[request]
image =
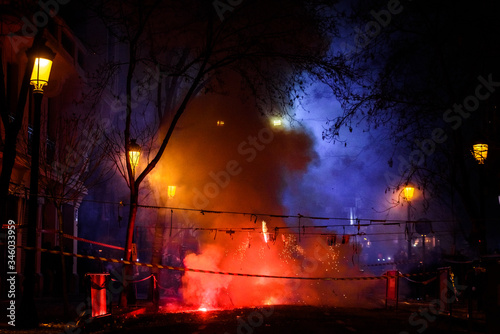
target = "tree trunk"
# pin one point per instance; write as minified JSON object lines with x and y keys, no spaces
{"x":157,"y":255}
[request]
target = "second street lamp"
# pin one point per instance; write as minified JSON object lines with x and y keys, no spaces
{"x":134,"y":154}
{"x":480,"y":152}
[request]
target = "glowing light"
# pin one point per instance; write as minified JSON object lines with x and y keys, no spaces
{"x":134,"y":153}
{"x":277,"y":122}
{"x":264,"y":231}
{"x":171,"y":191}
{"x":41,"y":69}
{"x":220,"y":123}
{"x":480,"y":152}
{"x":408,"y":193}
{"x":203,"y":309}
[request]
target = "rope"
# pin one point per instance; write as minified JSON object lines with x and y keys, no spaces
{"x":185,"y":269}
{"x":424,"y":282}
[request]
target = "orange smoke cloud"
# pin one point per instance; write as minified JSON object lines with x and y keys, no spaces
{"x":243,"y":166}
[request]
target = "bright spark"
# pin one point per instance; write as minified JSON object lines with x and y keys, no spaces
{"x":264,"y":231}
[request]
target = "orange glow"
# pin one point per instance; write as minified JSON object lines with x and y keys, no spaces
{"x":480,"y":152}
{"x":171,"y":191}
{"x":408,"y":193}
{"x":264,"y":231}
{"x":220,"y":123}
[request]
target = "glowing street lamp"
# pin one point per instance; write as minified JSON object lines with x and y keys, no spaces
{"x":408,"y":192}
{"x":134,"y":152}
{"x":480,"y":152}
{"x":42,"y":66}
{"x":171,"y":191}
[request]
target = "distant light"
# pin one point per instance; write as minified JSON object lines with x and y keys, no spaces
{"x":171,"y":191}
{"x":277,"y":122}
{"x":389,"y":258}
{"x":202,"y":309}
{"x":408,"y":193}
{"x":480,"y":152}
{"x":220,"y":123}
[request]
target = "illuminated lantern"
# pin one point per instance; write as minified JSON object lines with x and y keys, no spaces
{"x":134,"y":153}
{"x":41,"y":69}
{"x":480,"y":152}
{"x":171,"y":191}
{"x":408,"y":193}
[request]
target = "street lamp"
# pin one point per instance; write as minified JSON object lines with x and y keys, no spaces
{"x":42,"y":57}
{"x":408,"y":192}
{"x":134,"y":152}
{"x":480,"y":152}
{"x":171,"y":191}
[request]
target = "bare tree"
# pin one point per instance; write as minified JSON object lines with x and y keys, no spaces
{"x":419,"y":64}
{"x":178,"y":50}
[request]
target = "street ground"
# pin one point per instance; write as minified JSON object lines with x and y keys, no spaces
{"x":409,"y":317}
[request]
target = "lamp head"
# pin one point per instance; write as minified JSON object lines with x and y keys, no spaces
{"x":171,"y":191}
{"x":43,"y":56}
{"x":480,"y":152}
{"x":134,"y":153}
{"x":408,"y":192}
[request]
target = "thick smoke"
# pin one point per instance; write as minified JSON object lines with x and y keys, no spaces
{"x":245,"y":166}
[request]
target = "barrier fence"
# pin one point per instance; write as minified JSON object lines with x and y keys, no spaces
{"x":186,"y":269}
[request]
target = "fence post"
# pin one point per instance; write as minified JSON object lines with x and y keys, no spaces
{"x":392,"y":288}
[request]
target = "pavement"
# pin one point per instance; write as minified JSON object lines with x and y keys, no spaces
{"x":409,"y":317}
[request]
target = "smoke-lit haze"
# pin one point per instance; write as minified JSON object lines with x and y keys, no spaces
{"x":248,"y":165}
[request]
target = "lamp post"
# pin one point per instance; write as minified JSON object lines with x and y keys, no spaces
{"x":408,"y":192}
{"x":480,"y":153}
{"x":171,"y":194}
{"x":42,"y":57}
